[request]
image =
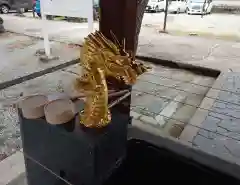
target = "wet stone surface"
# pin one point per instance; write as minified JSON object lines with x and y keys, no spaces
{"x":160,"y":99}
{"x":167,"y":98}
{"x":220,"y":133}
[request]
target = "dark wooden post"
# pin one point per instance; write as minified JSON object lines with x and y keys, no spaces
{"x":119,"y":16}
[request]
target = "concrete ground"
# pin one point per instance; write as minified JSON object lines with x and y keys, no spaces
{"x":18,"y":55}
{"x":214,"y":25}
{"x":209,"y":25}
{"x":213,"y":53}
{"x":58,"y":30}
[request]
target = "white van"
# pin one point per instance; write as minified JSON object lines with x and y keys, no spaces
{"x":155,"y":5}
{"x":177,"y":6}
{"x":199,"y":6}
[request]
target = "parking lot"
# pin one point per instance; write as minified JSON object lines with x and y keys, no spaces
{"x":220,"y":25}
{"x":214,"y":24}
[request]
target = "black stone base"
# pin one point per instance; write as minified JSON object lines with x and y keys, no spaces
{"x":81,"y":156}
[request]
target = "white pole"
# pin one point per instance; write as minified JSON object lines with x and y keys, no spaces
{"x":44,"y":30}
{"x":90,"y":18}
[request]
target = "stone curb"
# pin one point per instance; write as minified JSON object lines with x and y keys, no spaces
{"x":180,"y":65}
{"x":37,"y":74}
{"x":11,"y":167}
{"x":195,"y":123}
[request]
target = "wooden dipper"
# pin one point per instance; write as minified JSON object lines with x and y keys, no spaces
{"x":33,"y":106}
{"x":59,"y":111}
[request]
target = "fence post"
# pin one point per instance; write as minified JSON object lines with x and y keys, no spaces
{"x":165,"y":16}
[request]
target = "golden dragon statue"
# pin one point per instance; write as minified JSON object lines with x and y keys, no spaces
{"x":102,"y":59}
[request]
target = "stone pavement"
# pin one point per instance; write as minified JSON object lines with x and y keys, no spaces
{"x":167,"y":98}
{"x":164,"y":100}
{"x":215,"y":127}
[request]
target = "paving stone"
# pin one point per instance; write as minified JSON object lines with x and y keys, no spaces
{"x":198,"y":118}
{"x":193,"y":88}
{"x":143,"y":111}
{"x":211,"y":123}
{"x":229,"y":97}
{"x":207,"y":103}
{"x":207,"y":134}
{"x":219,"y":115}
{"x":170,"y":94}
{"x":147,"y":127}
{"x":228,"y":133}
{"x":184,"y":113}
{"x":206,"y":81}
{"x":172,"y":106}
{"x":158,"y":80}
{"x":185,"y":76}
{"x":221,"y":130}
{"x":148,"y":87}
{"x":227,"y":109}
{"x":231,"y":125}
{"x":210,"y":146}
{"x":172,"y":73}
{"x":233,"y":147}
{"x":148,"y":119}
{"x":149,"y":103}
{"x":213,"y":93}
{"x":189,"y":133}
{"x":232,"y":82}
{"x":194,"y":99}
{"x":169,"y":110}
{"x":161,"y":120}
{"x":134,"y":114}
{"x":174,"y":128}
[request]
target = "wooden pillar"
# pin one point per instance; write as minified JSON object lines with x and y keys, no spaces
{"x":120,"y":17}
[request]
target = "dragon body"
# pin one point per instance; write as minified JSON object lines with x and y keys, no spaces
{"x":101,"y":59}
